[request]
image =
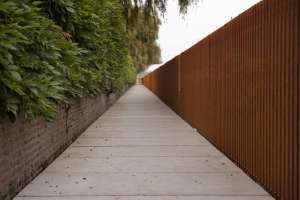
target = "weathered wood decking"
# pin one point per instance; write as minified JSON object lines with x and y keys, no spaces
{"x":140,"y":149}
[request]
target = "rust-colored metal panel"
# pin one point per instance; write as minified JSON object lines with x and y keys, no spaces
{"x":164,"y":83}
{"x":296,"y":111}
{"x":239,"y":87}
{"x":272,"y":59}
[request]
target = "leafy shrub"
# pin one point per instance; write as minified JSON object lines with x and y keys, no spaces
{"x":37,"y":65}
{"x":142,"y":36}
{"x":98,"y":28}
{"x":130,"y":71}
{"x":40,"y":63}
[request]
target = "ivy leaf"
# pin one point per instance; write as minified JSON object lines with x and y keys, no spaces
{"x":13,"y":67}
{"x":70,"y":9}
{"x":36,"y":3}
{"x":9,"y":46}
{"x":83,"y":51}
{"x":54,"y":83}
{"x":10,"y":3}
{"x":13,"y":108}
{"x":16,"y":75}
{"x":34,"y":90}
{"x":18,"y":90}
{"x":12,"y":100}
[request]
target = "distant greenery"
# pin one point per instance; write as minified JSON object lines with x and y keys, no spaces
{"x":151,"y":8}
{"x":142,"y":37}
{"x":142,"y":23}
{"x":54,"y":50}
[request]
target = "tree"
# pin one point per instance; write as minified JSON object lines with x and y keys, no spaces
{"x":142,"y":45}
{"x":142,"y":27}
{"x":151,"y":7}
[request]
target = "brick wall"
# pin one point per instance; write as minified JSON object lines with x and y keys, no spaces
{"x":28,"y":147}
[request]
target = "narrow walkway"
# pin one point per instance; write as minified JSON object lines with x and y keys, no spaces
{"x":140,"y":149}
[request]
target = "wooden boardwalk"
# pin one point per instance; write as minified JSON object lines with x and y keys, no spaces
{"x":140,"y":149}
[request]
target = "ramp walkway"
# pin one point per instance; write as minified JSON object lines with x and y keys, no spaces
{"x":140,"y":149}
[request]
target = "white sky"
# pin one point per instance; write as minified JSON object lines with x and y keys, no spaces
{"x":177,"y":34}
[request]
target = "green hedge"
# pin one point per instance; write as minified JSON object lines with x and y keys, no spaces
{"x":54,"y":50}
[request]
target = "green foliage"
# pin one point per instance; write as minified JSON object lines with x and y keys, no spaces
{"x":150,"y":8}
{"x":37,"y":66}
{"x":98,"y":28}
{"x":42,"y":64}
{"x":142,"y":24}
{"x":130,"y":71}
{"x":142,"y":37}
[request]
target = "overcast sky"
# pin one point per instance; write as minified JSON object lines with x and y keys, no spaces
{"x":177,"y":34}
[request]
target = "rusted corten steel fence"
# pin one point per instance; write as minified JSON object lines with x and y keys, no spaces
{"x":166,"y":86}
{"x":240,"y":88}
